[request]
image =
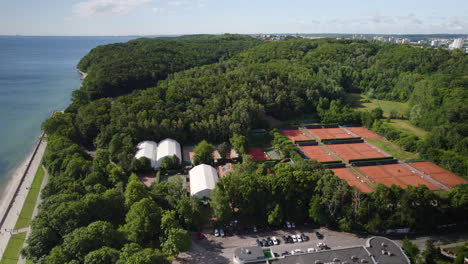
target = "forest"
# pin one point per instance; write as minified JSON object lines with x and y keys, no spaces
{"x":214,"y":88}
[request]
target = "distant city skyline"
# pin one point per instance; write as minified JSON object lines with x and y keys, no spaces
{"x":161,"y":17}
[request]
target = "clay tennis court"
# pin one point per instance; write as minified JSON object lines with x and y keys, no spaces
{"x":364,"y":132}
{"x":394,"y":174}
{"x":353,"y":180}
{"x":317,"y":153}
{"x":356,"y":151}
{"x":258,"y":154}
{"x":329,"y":133}
{"x":294,"y":134}
{"x":439,"y":174}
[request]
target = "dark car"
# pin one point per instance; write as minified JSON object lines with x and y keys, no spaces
{"x":270,"y":241}
{"x":285,"y":253}
{"x":264,"y":243}
{"x":290,"y":240}
{"x":258,"y":243}
{"x":286,"y":240}
{"x":318,"y":235}
{"x":304,"y":237}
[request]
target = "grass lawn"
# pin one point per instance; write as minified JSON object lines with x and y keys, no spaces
{"x":393,"y":149}
{"x":407,"y":127}
{"x":13,"y":249}
{"x":362,"y":102}
{"x":24,"y":219}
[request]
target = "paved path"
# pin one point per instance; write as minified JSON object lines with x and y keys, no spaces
{"x":36,"y":210}
{"x":11,"y":215}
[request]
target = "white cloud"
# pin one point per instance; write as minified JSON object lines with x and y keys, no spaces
{"x":178,"y":3}
{"x":91,"y":8}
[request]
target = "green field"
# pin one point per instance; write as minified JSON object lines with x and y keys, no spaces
{"x":13,"y":249}
{"x":361,"y":102}
{"x":407,"y":127}
{"x":393,"y":149}
{"x":24,"y":219}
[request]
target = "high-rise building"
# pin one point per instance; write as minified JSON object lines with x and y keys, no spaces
{"x":456,"y":44}
{"x":435,"y":43}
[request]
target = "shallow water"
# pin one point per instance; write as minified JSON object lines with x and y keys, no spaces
{"x":37,"y":76}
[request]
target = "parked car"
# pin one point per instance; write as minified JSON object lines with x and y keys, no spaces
{"x":296,"y":251}
{"x":255,"y":229}
{"x":294,"y":238}
{"x":322,"y":245}
{"x":309,"y":250}
{"x":318,"y":235}
{"x":299,"y":238}
{"x":270,"y":241}
{"x":259,"y":244}
{"x":288,"y":225}
{"x":286,"y":240}
{"x":293,"y":225}
{"x":221,"y":232}
{"x":304,"y":237}
{"x":285,"y":253}
{"x":216,"y":233}
{"x":264,"y":243}
{"x":275,"y":241}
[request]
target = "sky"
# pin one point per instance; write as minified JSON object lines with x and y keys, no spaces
{"x":159,"y":17}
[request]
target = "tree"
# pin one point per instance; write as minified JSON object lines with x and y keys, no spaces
{"x":143,"y":256}
{"x":170,"y":163}
{"x":411,"y":249}
{"x":430,"y":254}
{"x":104,"y":255}
{"x":134,"y":192}
{"x":60,"y":124}
{"x":239,"y":143}
{"x":143,"y":221}
{"x":203,"y":153}
{"x":275,"y":216}
{"x":178,"y":240}
{"x":168,"y":222}
{"x":224,"y":150}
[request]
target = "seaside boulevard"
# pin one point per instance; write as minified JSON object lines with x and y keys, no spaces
{"x":17,"y":199}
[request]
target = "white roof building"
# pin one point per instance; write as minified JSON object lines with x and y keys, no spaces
{"x":148,"y":149}
{"x":168,"y":147}
{"x":203,"y":179}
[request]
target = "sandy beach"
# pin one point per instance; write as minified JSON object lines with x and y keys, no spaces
{"x":17,"y":182}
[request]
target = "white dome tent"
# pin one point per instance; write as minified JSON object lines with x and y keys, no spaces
{"x":203,"y":179}
{"x":167,"y":148}
{"x":148,"y":149}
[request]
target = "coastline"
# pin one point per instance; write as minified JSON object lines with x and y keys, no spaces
{"x":17,"y":188}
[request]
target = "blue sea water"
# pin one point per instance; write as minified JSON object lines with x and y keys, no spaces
{"x":37,"y":76}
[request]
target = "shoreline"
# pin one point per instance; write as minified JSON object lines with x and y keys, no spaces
{"x":14,"y":180}
{"x":16,"y":190}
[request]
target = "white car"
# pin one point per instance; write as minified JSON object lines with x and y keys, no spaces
{"x":299,"y":238}
{"x":216,"y":233}
{"x":294,"y":238}
{"x":288,"y":225}
{"x":310,"y":250}
{"x":255,"y":229}
{"x":221,"y":232}
{"x":296,"y":251}
{"x":275,"y":241}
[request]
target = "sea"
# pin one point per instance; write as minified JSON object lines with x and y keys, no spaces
{"x":37,"y":76}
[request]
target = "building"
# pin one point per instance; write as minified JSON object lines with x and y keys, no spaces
{"x":148,"y":149}
{"x":377,"y":250}
{"x":167,"y":148}
{"x":203,"y":179}
{"x":456,"y":44}
{"x":435,"y":43}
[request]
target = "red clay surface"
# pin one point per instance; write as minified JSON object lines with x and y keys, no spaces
{"x":317,"y":153}
{"x":352,"y":180}
{"x":328,"y":133}
{"x":294,"y":134}
{"x":394,"y":174}
{"x":356,"y":151}
{"x":364,"y":132}
{"x":439,"y":174}
{"x":257,"y":154}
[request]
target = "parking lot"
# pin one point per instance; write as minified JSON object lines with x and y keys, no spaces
{"x":220,"y":250}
